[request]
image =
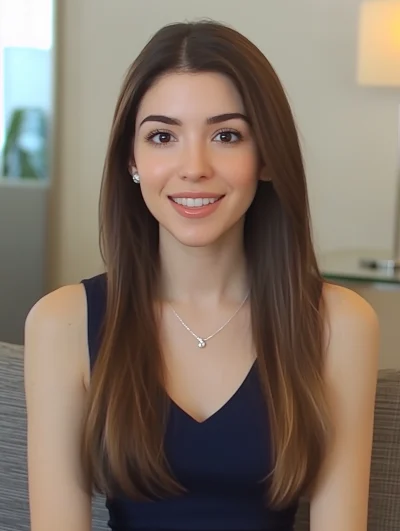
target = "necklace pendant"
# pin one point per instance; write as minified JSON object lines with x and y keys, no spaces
{"x":201,"y":343}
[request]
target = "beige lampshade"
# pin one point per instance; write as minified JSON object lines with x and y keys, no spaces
{"x":379,"y":43}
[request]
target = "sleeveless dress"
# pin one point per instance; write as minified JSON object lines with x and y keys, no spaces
{"x":221,"y":462}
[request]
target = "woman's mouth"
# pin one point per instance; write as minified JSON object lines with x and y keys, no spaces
{"x":195,"y":207}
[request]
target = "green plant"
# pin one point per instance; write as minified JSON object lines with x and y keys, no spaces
{"x":22,"y":158}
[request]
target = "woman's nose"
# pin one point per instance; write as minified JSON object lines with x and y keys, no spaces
{"x":196,"y":163}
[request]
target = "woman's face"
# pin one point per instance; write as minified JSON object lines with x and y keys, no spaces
{"x":196,"y":157}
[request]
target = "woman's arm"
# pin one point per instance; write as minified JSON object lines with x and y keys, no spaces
{"x":340,"y":499}
{"x":55,"y":357}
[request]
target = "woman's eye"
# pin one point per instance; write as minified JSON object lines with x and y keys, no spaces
{"x":228,"y":137}
{"x":162,"y":138}
{"x":159,"y":138}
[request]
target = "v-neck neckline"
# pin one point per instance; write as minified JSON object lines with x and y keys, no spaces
{"x":221,"y":409}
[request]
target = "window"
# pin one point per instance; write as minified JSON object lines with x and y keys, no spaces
{"x":23,"y":24}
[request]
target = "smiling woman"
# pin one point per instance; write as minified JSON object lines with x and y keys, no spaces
{"x":209,"y":377}
{"x":199,"y":160}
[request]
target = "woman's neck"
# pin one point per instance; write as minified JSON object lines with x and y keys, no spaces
{"x":203,"y":275}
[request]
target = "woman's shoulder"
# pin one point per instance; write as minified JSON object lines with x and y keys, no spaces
{"x":66,"y":320}
{"x":56,"y":330}
{"x":66,"y":307}
{"x":345,"y":307}
{"x":62,"y":308}
{"x":352,"y":327}
{"x":56,"y":372}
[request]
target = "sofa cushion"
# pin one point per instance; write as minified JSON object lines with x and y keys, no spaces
{"x":384,"y":508}
{"x":14,"y":508}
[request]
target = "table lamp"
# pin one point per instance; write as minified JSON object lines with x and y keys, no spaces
{"x":379,"y":65}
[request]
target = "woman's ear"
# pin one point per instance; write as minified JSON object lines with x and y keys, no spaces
{"x":264,"y":176}
{"x":132,"y":166}
{"x":132,"y":163}
{"x":132,"y":169}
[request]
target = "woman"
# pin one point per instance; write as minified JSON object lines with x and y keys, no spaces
{"x":210,"y":377}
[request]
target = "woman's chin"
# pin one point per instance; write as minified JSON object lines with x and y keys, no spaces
{"x":199,"y":241}
{"x":205,"y":237}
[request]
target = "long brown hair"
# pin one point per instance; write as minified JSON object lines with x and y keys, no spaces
{"x":127,"y":405}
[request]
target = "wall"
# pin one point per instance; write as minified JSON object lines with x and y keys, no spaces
{"x":25,"y":80}
{"x":23,"y":213}
{"x":348,"y":132}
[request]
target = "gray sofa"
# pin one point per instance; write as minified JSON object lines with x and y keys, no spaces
{"x":384,"y":509}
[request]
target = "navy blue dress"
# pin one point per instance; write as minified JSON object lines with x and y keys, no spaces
{"x":220,"y":462}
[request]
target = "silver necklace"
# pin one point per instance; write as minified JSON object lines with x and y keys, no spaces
{"x":202,"y":341}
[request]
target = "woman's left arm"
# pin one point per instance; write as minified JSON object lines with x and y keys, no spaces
{"x":340,"y":497}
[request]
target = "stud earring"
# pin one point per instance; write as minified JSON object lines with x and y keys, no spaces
{"x":135,"y":176}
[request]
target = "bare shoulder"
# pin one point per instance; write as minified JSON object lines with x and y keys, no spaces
{"x":57,"y":325}
{"x":340,"y":497}
{"x":64,"y":306}
{"x":342,"y":303}
{"x":56,"y":362}
{"x":352,"y":327}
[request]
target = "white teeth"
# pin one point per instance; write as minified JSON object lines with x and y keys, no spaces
{"x":194,"y":203}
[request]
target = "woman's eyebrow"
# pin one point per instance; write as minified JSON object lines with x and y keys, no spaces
{"x":210,"y":121}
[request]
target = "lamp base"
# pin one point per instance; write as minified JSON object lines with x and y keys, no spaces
{"x":373,"y":263}
{"x":390,"y":264}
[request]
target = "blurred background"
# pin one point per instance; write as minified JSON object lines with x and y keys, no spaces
{"x":27,"y":83}
{"x":62,"y":64}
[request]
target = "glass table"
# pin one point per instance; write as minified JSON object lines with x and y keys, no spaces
{"x":345,"y":267}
